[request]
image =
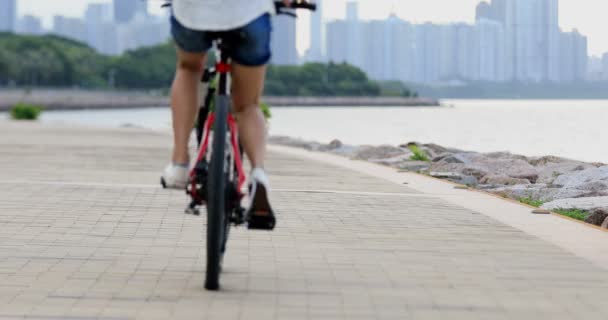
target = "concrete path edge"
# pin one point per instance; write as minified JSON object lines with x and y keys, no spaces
{"x":579,"y":239}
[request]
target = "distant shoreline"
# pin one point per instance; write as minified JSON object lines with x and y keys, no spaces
{"x":74,"y":99}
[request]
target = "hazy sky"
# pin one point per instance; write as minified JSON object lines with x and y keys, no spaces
{"x":588,"y":16}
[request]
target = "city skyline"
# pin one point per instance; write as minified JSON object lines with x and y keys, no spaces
{"x":584,"y":15}
{"x":511,"y":40}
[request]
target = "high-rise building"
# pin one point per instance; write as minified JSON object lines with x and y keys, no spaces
{"x":399,"y":43}
{"x":336,"y":41}
{"x":30,"y":25}
{"x":284,"y":50}
{"x":142,"y":8}
{"x":98,"y":13}
{"x":490,"y":43}
{"x":550,"y":34}
{"x":467,"y":52}
{"x":97,"y":16}
{"x":581,"y":55}
{"x":531,"y":29}
{"x":567,"y":57}
{"x":71,"y":28}
{"x":427,"y":53}
{"x":8,"y":15}
{"x":381,"y":48}
{"x":459,"y":52}
{"x":352,"y":11}
{"x":605,"y":66}
{"x":316,"y":52}
{"x":344,"y":41}
{"x":376,"y":55}
{"x":574,"y":56}
{"x":126,"y":10}
{"x":483,"y":11}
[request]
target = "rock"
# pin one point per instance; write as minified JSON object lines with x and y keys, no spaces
{"x":605,"y":224}
{"x":430,"y":153}
{"x":380,"y":152}
{"x":413,"y":166}
{"x":476,"y":172}
{"x":293,"y":142}
{"x":446,"y":175}
{"x":541,"y":161}
{"x":549,"y":168}
{"x":409,"y":144}
{"x":335,"y":144}
{"x":505,"y":155}
{"x":468,"y":181}
{"x":593,"y":194}
{"x":440,"y":149}
{"x":502,"y":179}
{"x":392,"y":161}
{"x":597,"y":217}
{"x":594,"y":179}
{"x":479,"y":165}
{"x":533,"y":191}
{"x":544,"y":192}
{"x":448,"y":158}
{"x":345,"y":151}
{"x":437,"y":149}
{"x":589,"y":204}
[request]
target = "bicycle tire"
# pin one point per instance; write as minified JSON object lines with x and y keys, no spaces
{"x":216,"y":203}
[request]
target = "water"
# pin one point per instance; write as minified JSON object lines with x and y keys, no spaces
{"x":570,"y":128}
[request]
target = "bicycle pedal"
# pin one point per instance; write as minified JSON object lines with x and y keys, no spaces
{"x":266,"y":223}
{"x":193,"y":211}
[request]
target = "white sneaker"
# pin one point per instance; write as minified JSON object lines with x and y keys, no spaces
{"x":258,"y":176}
{"x":260,"y":214}
{"x":175,"y":177}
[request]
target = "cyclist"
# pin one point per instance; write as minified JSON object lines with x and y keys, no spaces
{"x":190,"y":22}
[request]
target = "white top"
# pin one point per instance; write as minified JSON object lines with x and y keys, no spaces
{"x":219,"y":15}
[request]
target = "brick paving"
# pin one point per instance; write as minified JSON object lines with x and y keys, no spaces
{"x":86,"y":233}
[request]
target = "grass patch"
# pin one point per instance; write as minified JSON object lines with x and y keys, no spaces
{"x":573,"y":213}
{"x":532,"y":202}
{"x":266,"y":110}
{"x":419,"y":155}
{"x":22,"y":111}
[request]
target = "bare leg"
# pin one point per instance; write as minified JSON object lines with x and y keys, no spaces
{"x":247,"y":87}
{"x":185,"y":101}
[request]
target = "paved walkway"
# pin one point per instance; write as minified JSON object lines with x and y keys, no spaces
{"x":85,"y":233}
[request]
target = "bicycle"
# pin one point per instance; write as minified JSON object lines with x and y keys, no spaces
{"x":218,"y":177}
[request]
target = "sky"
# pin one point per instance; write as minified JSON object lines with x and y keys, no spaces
{"x":588,"y":16}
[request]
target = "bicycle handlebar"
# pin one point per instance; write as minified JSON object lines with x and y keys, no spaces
{"x":296,"y":4}
{"x":279,"y":5}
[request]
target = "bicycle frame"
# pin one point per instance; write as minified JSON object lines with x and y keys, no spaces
{"x":223,"y":72}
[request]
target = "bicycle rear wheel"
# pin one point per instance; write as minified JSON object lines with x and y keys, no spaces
{"x":216,"y":202}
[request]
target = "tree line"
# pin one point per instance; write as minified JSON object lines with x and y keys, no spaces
{"x":52,"y":61}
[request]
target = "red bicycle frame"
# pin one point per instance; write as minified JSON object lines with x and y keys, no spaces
{"x":223,"y":69}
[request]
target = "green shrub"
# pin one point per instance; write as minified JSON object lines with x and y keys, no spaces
{"x":531,"y":201}
{"x":419,"y":155}
{"x":266,"y":110}
{"x":573,"y":213}
{"x":22,"y":111}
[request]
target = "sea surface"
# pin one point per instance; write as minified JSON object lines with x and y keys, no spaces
{"x":575,"y":129}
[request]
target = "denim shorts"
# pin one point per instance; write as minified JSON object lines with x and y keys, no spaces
{"x":252,"y":48}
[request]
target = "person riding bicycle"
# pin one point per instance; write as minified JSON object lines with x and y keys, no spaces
{"x":191,"y":22}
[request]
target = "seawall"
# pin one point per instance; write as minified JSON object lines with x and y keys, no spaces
{"x":66,"y":99}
